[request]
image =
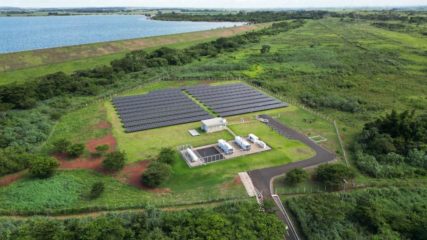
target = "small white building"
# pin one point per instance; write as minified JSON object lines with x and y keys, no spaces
{"x":225,"y":146}
{"x":214,"y":125}
{"x":242,"y":143}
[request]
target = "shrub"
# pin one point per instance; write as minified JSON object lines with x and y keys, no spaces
{"x":61,"y":145}
{"x":42,"y":166}
{"x":265,"y":49}
{"x":75,"y":150}
{"x":13,"y":159}
{"x":114,"y":161}
{"x":156,"y":174}
{"x":334,"y":175}
{"x":101,"y":149}
{"x":96,"y":190}
{"x":167,"y":156}
{"x":296,"y":176}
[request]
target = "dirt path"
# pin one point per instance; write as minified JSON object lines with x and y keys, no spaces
{"x":10,"y":178}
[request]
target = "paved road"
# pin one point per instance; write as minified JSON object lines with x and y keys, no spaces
{"x":262,"y":178}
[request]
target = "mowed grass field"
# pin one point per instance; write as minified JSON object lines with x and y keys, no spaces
{"x":66,"y":191}
{"x":21,"y":66}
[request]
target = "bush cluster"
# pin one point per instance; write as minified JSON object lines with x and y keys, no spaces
{"x":160,"y":170}
{"x":393,"y":146}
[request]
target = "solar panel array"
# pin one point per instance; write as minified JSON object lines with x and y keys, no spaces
{"x":157,"y":109}
{"x":234,"y":99}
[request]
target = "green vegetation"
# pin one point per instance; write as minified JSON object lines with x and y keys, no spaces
{"x":114,"y":161}
{"x":156,"y":174}
{"x":96,"y":190}
{"x":42,"y":166}
{"x":334,"y":175}
{"x":229,"y":221}
{"x":296,"y":176}
{"x":393,"y":146}
{"x":388,"y":213}
{"x":242,"y":16}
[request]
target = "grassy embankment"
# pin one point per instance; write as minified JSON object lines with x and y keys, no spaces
{"x":18,"y":67}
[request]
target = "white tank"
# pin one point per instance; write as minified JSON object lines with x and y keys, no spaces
{"x":261,"y":144}
{"x":193,"y":156}
{"x":225,"y":146}
{"x":253,"y":138}
{"x":242,"y":143}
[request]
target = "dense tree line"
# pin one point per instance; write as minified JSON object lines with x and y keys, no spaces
{"x":382,"y":16}
{"x":230,"y":221}
{"x":243,"y":16}
{"x":393,"y":146}
{"x":388,"y":213}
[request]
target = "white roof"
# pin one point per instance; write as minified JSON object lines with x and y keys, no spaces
{"x":214,"y":121}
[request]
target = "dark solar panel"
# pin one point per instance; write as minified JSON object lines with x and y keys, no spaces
{"x":234,"y":99}
{"x":167,"y":123}
{"x":253,"y":109}
{"x":189,"y":112}
{"x":157,"y":109}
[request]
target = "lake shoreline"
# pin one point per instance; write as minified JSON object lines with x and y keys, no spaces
{"x":21,"y":34}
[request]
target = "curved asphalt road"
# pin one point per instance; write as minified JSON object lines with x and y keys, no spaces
{"x":261,"y":178}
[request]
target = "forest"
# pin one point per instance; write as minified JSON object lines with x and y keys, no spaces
{"x":229,"y":221}
{"x":387,"y":213}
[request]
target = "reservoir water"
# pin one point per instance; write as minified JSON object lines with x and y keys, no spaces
{"x":29,"y":33}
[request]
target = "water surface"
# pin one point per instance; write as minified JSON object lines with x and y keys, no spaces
{"x":29,"y":33}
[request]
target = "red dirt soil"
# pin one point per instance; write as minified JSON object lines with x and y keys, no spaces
{"x":8,"y":179}
{"x":131,"y":175}
{"x":107,"y":140}
{"x":94,"y":163}
{"x":82,"y":163}
{"x":103,"y":125}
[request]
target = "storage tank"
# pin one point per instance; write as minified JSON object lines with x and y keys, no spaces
{"x":261,"y":144}
{"x":192,"y":155}
{"x":225,"y":146}
{"x":242,"y":143}
{"x":253,"y":138}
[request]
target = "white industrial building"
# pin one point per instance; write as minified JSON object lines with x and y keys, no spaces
{"x":225,"y":146}
{"x":214,"y":125}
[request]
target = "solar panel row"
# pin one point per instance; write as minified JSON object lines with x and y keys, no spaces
{"x":234,"y":99}
{"x":160,"y":117}
{"x":148,"y":98}
{"x":157,"y":109}
{"x":168,"y":123}
{"x":163,"y":119}
{"x":154,"y":114}
{"x":150,"y":104}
